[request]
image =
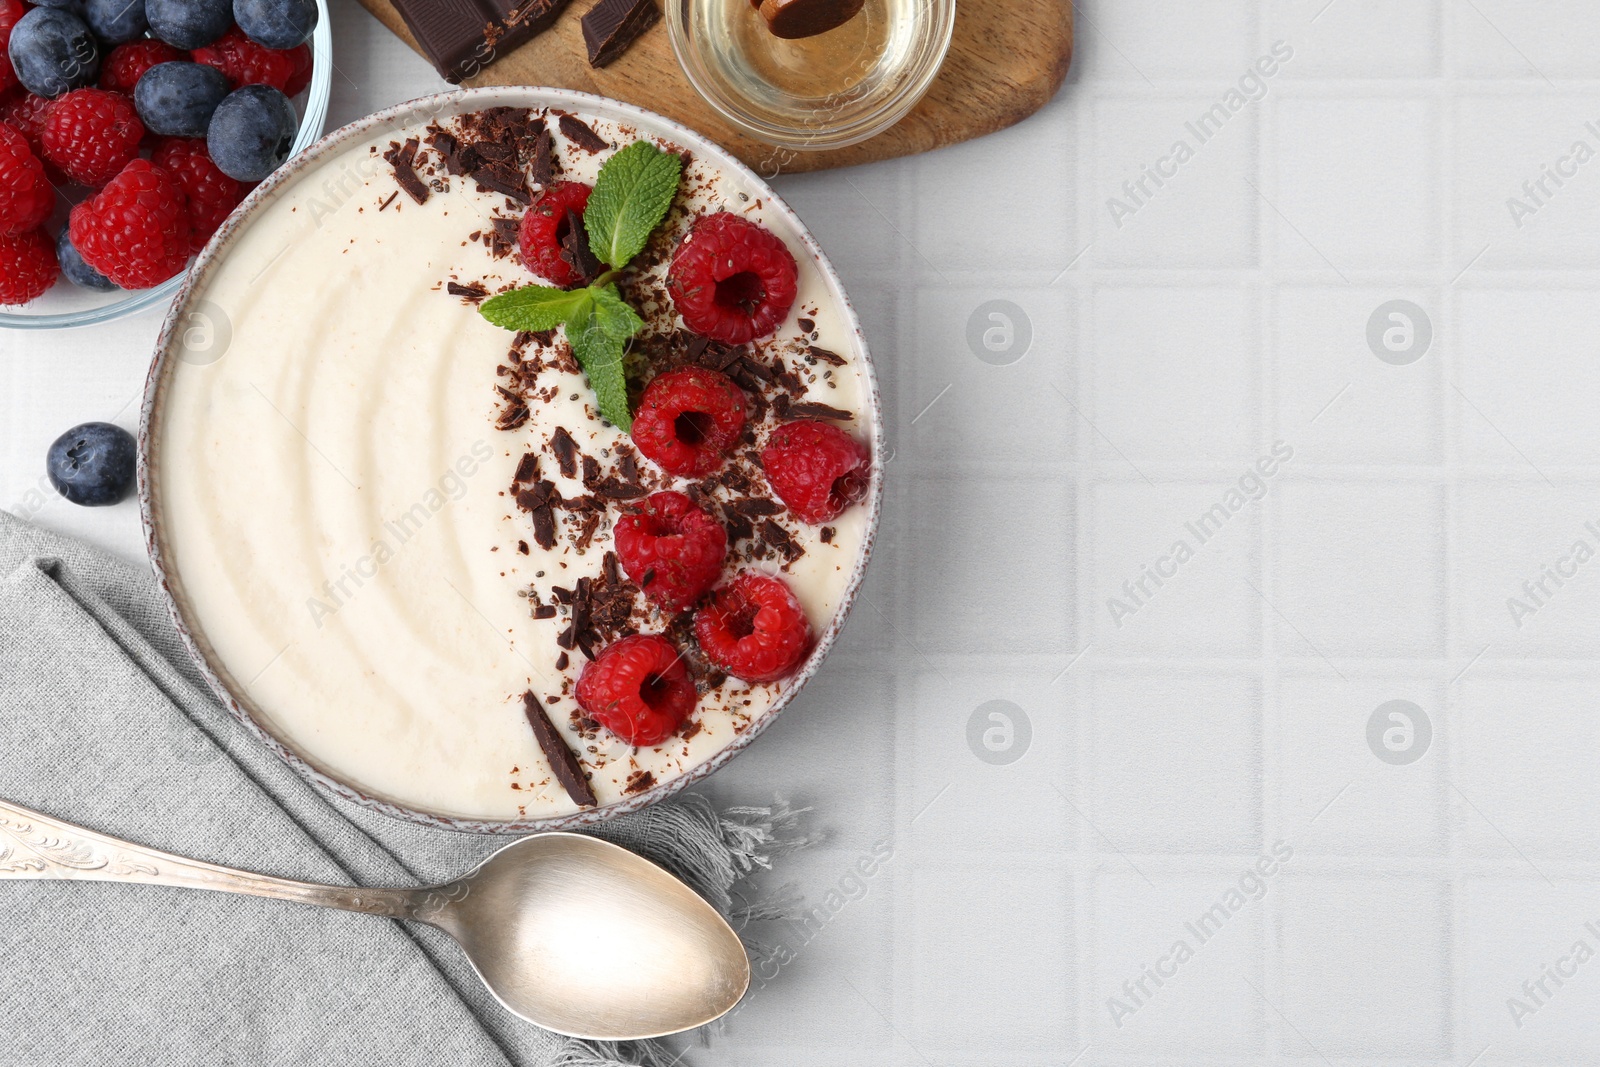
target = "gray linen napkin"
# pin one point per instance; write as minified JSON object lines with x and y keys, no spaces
{"x":104,"y":722}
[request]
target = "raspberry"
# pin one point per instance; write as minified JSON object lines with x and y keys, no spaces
{"x":244,"y":62}
{"x":753,"y":628}
{"x":672,"y":548}
{"x":731,"y":279}
{"x":127,"y":63}
{"x":26,"y":115}
{"x":687,"y":419}
{"x":816,"y":468}
{"x":135,"y":231}
{"x":543,"y":227}
{"x":26,"y":195}
{"x":301,"y":77}
{"x":638,"y":688}
{"x":27,"y":267}
{"x":91,"y":134}
{"x":10,"y":12}
{"x":212,"y":195}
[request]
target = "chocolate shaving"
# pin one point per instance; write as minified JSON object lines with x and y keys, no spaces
{"x":806,"y":325}
{"x":449,"y":149}
{"x":755,"y":507}
{"x":562,"y":661}
{"x":616,"y":489}
{"x":544,"y":145}
{"x":513,"y":415}
{"x":812,"y":410}
{"x":503,"y":237}
{"x":826,"y":534}
{"x":503,"y":178}
{"x":392,"y":198}
{"x":563,"y":762}
{"x":527,"y":468}
{"x":576,"y":251}
{"x":566,"y":450}
{"x":639,"y":781}
{"x":545,"y":611}
{"x":824,"y":354}
{"x":401,"y":158}
{"x":578,"y":132}
{"x":591,"y":472}
{"x":544,"y":528}
{"x":775,"y":536}
{"x":473,"y":293}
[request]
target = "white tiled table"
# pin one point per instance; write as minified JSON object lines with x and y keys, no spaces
{"x":1144,"y":758}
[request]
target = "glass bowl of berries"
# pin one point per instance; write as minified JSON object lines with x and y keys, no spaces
{"x":130,"y":129}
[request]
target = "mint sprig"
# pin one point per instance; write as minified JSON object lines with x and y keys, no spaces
{"x":631,"y":197}
{"x":632,"y":194}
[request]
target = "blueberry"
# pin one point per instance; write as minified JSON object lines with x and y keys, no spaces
{"x":92,"y":464}
{"x":252,"y":132}
{"x":53,"y":52}
{"x":77,"y":271}
{"x":276,"y":23}
{"x":115,"y":21}
{"x":177,"y":99}
{"x":74,"y":6}
{"x":189,"y":24}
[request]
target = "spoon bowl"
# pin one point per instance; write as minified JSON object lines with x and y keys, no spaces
{"x":585,"y":938}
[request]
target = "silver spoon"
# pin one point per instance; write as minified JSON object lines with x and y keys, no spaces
{"x":572,"y":933}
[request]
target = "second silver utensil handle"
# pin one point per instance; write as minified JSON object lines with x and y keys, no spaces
{"x":36,"y":846}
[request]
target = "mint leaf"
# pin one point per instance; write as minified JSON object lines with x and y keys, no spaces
{"x":631,"y":196}
{"x":598,"y":342}
{"x":536,"y":307}
{"x":613,"y":313}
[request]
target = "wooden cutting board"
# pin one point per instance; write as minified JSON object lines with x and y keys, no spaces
{"x":1006,"y":61}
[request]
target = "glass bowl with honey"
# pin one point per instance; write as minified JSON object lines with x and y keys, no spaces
{"x":811,"y":74}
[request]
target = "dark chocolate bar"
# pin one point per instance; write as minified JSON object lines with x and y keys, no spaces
{"x":612,"y":25}
{"x":462,"y":37}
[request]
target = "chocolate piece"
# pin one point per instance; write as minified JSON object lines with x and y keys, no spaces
{"x":826,"y":356}
{"x":578,"y":132}
{"x":576,"y":251}
{"x":563,"y":763}
{"x":779,"y":538}
{"x":612,"y":25}
{"x":449,"y":149}
{"x":793,"y":19}
{"x":811,"y":410}
{"x":826,"y":533}
{"x":562,"y":661}
{"x":527,"y":467}
{"x":616,"y":489}
{"x":462,"y":37}
{"x":544,"y":167}
{"x":545,"y":611}
{"x":503,"y":237}
{"x":473,"y":293}
{"x":755,"y":507}
{"x":566,"y":450}
{"x":401,"y":157}
{"x":501,"y":177}
{"x":639,"y":781}
{"x":806,"y":325}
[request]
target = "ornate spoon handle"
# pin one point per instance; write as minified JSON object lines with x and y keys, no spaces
{"x":39,"y":847}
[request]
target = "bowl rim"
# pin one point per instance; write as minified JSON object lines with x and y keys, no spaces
{"x":807,"y":139}
{"x":457,"y":102}
{"x":312,"y":124}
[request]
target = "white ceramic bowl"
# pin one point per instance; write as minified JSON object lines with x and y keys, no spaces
{"x":191,"y":294}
